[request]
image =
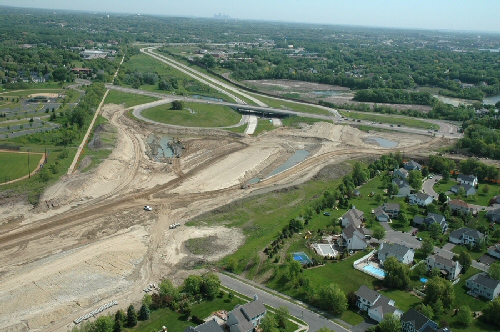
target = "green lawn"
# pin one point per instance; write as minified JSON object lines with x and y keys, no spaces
{"x":127,"y":99}
{"x":392,"y":119}
{"x":473,"y":253}
{"x":194,"y":115}
{"x":480,"y":198}
{"x":15,"y":165}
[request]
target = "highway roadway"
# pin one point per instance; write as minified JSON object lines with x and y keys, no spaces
{"x":445,"y":128}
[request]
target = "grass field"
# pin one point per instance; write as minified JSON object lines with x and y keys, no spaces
{"x":194,"y":115}
{"x":15,"y":165}
{"x":392,"y":119}
{"x":127,"y":99}
{"x":46,"y":88}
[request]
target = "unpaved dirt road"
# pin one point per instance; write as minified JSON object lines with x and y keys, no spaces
{"x":97,"y":244}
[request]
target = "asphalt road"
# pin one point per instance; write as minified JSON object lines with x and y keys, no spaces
{"x":402,"y":238}
{"x":428,"y":185}
{"x":314,"y":320}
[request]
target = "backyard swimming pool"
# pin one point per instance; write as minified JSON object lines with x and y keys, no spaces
{"x":374,"y":270}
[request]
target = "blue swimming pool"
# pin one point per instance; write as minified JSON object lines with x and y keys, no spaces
{"x":374,"y":270}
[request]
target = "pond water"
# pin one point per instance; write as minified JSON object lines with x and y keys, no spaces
{"x":161,"y":146}
{"x":206,"y":98}
{"x":382,"y":142}
{"x":328,"y":92}
{"x":492,"y":100}
{"x":299,"y":156}
{"x":254,"y":180}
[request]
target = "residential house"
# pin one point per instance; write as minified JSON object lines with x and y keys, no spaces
{"x":400,"y":251}
{"x":421,"y":199}
{"x":245,"y":318}
{"x":431,"y":219}
{"x":381,"y":216}
{"x":414,"y":321}
{"x":401,"y":173}
{"x":376,"y":304}
{"x":494,"y":251}
{"x":467,"y":179}
{"x":412,"y":166}
{"x":404,"y":187}
{"x":387,"y":211}
{"x":353,"y":216}
{"x":353,"y":238}
{"x":469,"y":190}
{"x":482,"y":285}
{"x":493,"y":215}
{"x":459,"y":205}
{"x":466,"y":236}
{"x":210,"y":326}
{"x":449,"y":268}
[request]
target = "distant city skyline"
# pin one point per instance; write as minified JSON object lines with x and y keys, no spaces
{"x":460,"y":15}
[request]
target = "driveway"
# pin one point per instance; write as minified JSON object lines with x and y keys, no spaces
{"x":314,"y":320}
{"x":402,"y":238}
{"x":364,"y":326}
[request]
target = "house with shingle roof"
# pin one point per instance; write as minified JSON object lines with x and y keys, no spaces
{"x":401,"y":173}
{"x":449,"y":268}
{"x":387,"y":211}
{"x":465,"y":236}
{"x":353,"y":216}
{"x":353,"y":238}
{"x":210,"y":326}
{"x":245,"y":318}
{"x":431,"y":218}
{"x":404,"y":188}
{"x":469,"y":190}
{"x":420,"y":199}
{"x":459,"y":205}
{"x":412,"y":166}
{"x":467,"y":179}
{"x":494,"y":251}
{"x":401,"y":252}
{"x":483,"y":285}
{"x":414,"y":321}
{"x":376,"y":304}
{"x":493,"y":215}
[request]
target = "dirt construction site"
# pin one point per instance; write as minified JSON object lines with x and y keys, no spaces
{"x":91,"y":242}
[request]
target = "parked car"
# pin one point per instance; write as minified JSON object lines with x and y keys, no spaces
{"x":419,"y":238}
{"x":148,"y":208}
{"x":326,"y":214}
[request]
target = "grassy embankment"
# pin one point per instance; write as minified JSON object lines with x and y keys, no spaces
{"x":186,"y":85}
{"x":205,"y":72}
{"x":127,"y":99}
{"x":194,"y":115}
{"x":391,"y":119}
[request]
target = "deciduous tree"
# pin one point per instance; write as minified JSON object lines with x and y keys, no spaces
{"x":465,"y":260}
{"x":464,"y":316}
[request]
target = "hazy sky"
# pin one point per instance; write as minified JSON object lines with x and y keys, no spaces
{"x":481,"y":15}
